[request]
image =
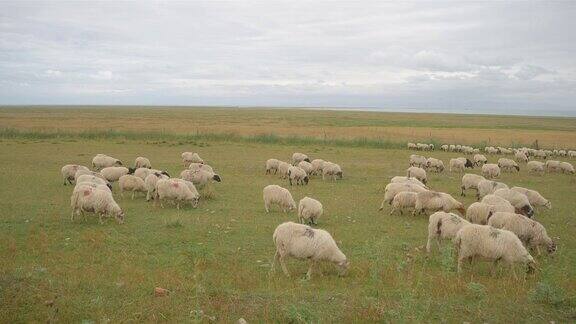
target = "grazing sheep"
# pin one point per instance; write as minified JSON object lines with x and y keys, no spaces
{"x":498,"y":203}
{"x":566,"y":167}
{"x":520,"y":156}
{"x":150,"y":183}
{"x":486,"y":187}
{"x":306,"y":243}
{"x":114,"y":173}
{"x":458,"y":164}
{"x":142,"y":162}
{"x":272,"y":165}
{"x":490,"y":170}
{"x":101,"y":161}
{"x":332,"y":170}
{"x":392,"y":189}
{"x":534,"y":197}
{"x":87,"y":198}
{"x":417,"y":160}
{"x":483,"y":242}
{"x":191,"y":157}
{"x":283,"y":169}
{"x":297,"y":175}
{"x":69,"y":172}
{"x":299,"y":157}
{"x":508,"y":165}
{"x":433,"y":201}
{"x":87,"y":178}
{"x":470,"y":181}
{"x":200,"y":177}
{"x":480,"y":159}
{"x":177,"y":190}
{"x":309,"y":210}
{"x":571,"y":154}
{"x":403,"y":200}
{"x":434,"y":165}
{"x":306,"y":166}
{"x":442,"y":225}
{"x":553,"y":166}
{"x":412,"y":146}
{"x":418,"y":173}
{"x":142,"y":173}
{"x":200,"y":166}
{"x":518,"y":200}
{"x":401,"y":179}
{"x":479,"y":213}
{"x":274,"y":194}
{"x":317,"y":166}
{"x":81,"y":172}
{"x":536,"y":167}
{"x":530,"y":232}
{"x":444,"y":147}
{"x":132,"y":183}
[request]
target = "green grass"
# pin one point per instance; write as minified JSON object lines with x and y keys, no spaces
{"x":215,"y":259}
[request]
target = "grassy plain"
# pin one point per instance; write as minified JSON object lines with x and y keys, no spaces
{"x":215,"y":259}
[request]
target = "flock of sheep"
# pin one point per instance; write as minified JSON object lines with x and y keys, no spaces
{"x":498,"y":227}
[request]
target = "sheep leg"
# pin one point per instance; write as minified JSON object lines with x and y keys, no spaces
{"x":513,"y":271}
{"x":276,"y":258}
{"x":428,"y":245}
{"x":266,"y":207}
{"x":290,"y":180}
{"x":462,"y":192}
{"x":286,"y":272}
{"x":310,"y":269}
{"x":493,"y":268}
{"x":133,"y":193}
{"x":382,"y":205}
{"x":100,"y":218}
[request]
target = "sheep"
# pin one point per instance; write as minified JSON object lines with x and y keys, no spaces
{"x":470,"y":181}
{"x":442,"y":225}
{"x":392,"y":189}
{"x":434,"y":165}
{"x":486,"y":187}
{"x":306,"y":243}
{"x":535,"y":167}
{"x":534,"y":197}
{"x":297,"y":175}
{"x":132,"y":183}
{"x":317,"y":166}
{"x":87,"y":178}
{"x":331,"y":169}
{"x":401,"y":179}
{"x":114,"y":173}
{"x":444,"y":147}
{"x":571,"y":154}
{"x":411,"y":146}
{"x":191,"y":157}
{"x":490,"y":170}
{"x":309,"y":210}
{"x":540,"y":154}
{"x":418,"y":173}
{"x":417,"y":160}
{"x":480,"y":159}
{"x":498,"y":203}
{"x":81,"y":172}
{"x":142,"y":162}
{"x":403,"y":200}
{"x":101,"y":161}
{"x":306,"y":166}
{"x":283,"y":169}
{"x":272,"y":165}
{"x":69,"y":172}
{"x":553,"y":166}
{"x":491,"y":150}
{"x":150,"y":183}
{"x":518,"y":200}
{"x":299,"y":157}
{"x":508,"y":165}
{"x":200,"y":166}
{"x":177,"y":190}
{"x":274,"y":194}
{"x":452,"y":148}
{"x":142,"y":173}
{"x":566,"y":167}
{"x":530,"y":232}
{"x":479,"y":213}
{"x":434,"y":201}
{"x":87,"y":198}
{"x":458,"y":164}
{"x":520,"y":156}
{"x":488,"y":243}
{"x":200,"y":177}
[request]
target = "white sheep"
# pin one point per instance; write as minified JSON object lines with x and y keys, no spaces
{"x":87,"y":198}
{"x":272,"y":165}
{"x":411,"y":146}
{"x":114,"y":173}
{"x":433,"y":201}
{"x":392,"y":189}
{"x":403,"y":179}
{"x":486,"y":187}
{"x":306,"y":243}
{"x":536,"y":167}
{"x":479,"y":213}
{"x":200,"y":177}
{"x":142,"y":173}
{"x":483,"y":242}
{"x":332,"y":170}
{"x":142,"y":162}
{"x":87,"y":178}
{"x":297,"y":175}
{"x":200,"y":166}
{"x":521,"y":156}
{"x":418,"y":173}
{"x":299,"y":157}
{"x":101,"y":161}
{"x":283,"y":169}
{"x":417,"y":160}
{"x":442,"y":225}
{"x":508,"y":165}
{"x":69,"y":172}
{"x":177,"y":190}
{"x":150,"y":183}
{"x":309,"y":210}
{"x":274,"y":194}
{"x":317,"y":165}
{"x":530,"y":232}
{"x":191,"y":157}
{"x":490,"y":170}
{"x":434,"y":165}
{"x":566,"y":167}
{"x":81,"y":172}
{"x":498,"y":203}
{"x":518,"y":200}
{"x":470,"y":181}
{"x":403,"y":200}
{"x":132,"y":183}
{"x":444,"y":147}
{"x":306,"y":166}
{"x":534,"y":197}
{"x":459,"y":164}
{"x":480,"y":159}
{"x":553,"y":166}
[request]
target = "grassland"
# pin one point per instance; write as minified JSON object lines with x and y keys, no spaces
{"x":215,"y":260}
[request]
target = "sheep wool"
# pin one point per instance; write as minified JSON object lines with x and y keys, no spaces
{"x":518,"y":200}
{"x":276,"y":195}
{"x":297,"y":175}
{"x":200,"y":166}
{"x":332,"y":170}
{"x":418,"y":173}
{"x":317,"y":165}
{"x":114,"y":173}
{"x":283,"y":169}
{"x":132,"y":183}
{"x":470,"y":181}
{"x":101,"y":161}
{"x":486,"y":187}
{"x":191,"y":157}
{"x":442,"y":225}
{"x":479,"y":213}
{"x":299,"y":157}
{"x":392,"y":189}
{"x":272,"y":165}
{"x":177,"y":190}
{"x":142,"y":162}
{"x":432,"y":201}
{"x":87,"y":198}
{"x":306,"y":166}
{"x":498,"y":204}
{"x":534,"y":197}
{"x":530,"y":232}
{"x":200,"y":177}
{"x":508,"y":165}
{"x":309,"y":210}
{"x":69,"y":172}
{"x":150,"y":183}
{"x":566,"y":167}
{"x":403,"y":179}
{"x":403,"y":200}
{"x":480,"y":159}
{"x":490,"y":170}
{"x":536,"y":167}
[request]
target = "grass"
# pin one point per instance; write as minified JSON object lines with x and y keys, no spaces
{"x":215,"y":259}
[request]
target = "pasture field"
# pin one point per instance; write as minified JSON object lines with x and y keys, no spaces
{"x":215,"y":259}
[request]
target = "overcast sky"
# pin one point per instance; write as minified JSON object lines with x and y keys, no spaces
{"x":479,"y":56}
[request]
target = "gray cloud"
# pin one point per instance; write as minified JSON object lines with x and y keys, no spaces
{"x":423,"y":55}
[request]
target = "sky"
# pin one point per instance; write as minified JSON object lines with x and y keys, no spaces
{"x":455,"y":56}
